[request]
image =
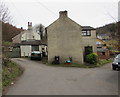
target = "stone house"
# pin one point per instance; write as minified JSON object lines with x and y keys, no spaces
{"x":29,"y":41}
{"x":66,"y":38}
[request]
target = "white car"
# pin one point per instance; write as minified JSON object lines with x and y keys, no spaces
{"x":116,"y":62}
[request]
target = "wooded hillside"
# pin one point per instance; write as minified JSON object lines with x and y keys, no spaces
{"x":109,"y":29}
{"x":113,"y":31}
{"x":9,"y":31}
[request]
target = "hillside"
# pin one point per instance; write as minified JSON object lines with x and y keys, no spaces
{"x":108,"y":30}
{"x":9,"y":31}
{"x":113,"y":32}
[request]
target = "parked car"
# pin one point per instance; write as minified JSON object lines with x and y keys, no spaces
{"x":116,"y":62}
{"x":36,"y":55}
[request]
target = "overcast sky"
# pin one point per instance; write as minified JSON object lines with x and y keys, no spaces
{"x":93,"y":13}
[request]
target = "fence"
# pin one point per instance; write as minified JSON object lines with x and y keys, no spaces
{"x":15,"y":53}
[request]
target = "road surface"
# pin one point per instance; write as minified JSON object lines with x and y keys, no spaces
{"x":40,"y":79}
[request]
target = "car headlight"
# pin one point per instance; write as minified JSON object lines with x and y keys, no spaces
{"x":115,"y":62}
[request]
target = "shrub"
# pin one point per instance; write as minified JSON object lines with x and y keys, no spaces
{"x":5,"y":60}
{"x":92,"y":58}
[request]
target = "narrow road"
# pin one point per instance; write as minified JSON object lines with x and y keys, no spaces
{"x":40,"y":79}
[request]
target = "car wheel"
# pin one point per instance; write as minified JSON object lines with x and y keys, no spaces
{"x":113,"y":67}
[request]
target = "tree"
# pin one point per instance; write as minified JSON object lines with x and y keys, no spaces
{"x":118,"y":36}
{"x":113,"y":31}
{"x":9,"y":31}
{"x":4,"y":12}
{"x":40,"y":29}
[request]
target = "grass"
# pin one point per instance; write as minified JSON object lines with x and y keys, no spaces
{"x":10,"y":72}
{"x":99,"y":64}
{"x":6,"y":43}
{"x":103,"y":62}
{"x":74,"y":65}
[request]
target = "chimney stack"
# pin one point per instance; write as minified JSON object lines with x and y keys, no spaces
{"x":29,"y":25}
{"x":63,"y":14}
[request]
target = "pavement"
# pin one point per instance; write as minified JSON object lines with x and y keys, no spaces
{"x":40,"y":79}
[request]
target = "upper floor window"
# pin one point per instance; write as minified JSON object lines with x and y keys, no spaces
{"x":86,"y":32}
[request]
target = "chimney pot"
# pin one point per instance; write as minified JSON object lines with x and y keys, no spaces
{"x":29,"y":25}
{"x":63,"y":13}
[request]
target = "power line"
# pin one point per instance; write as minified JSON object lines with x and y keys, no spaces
{"x":18,"y":11}
{"x":111,"y":16}
{"x":108,"y":13}
{"x":45,"y":7}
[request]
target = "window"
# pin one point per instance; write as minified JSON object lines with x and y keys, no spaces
{"x":86,"y":32}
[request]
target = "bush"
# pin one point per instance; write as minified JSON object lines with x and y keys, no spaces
{"x":91,"y":58}
{"x":5,"y":60}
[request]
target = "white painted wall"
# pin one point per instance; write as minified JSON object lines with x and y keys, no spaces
{"x":40,"y":48}
{"x":29,"y":34}
{"x":25,"y":50}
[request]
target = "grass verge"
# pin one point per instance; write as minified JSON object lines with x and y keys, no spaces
{"x":103,"y":62}
{"x":10,"y":72}
{"x":99,"y":64}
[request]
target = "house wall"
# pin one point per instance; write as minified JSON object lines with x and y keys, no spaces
{"x":26,"y":35}
{"x":40,"y":48}
{"x":29,"y":34}
{"x":25,"y":50}
{"x":17,"y":38}
{"x":64,"y":40}
{"x":90,"y":41}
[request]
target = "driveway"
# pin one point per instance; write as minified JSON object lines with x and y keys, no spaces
{"x":40,"y":79}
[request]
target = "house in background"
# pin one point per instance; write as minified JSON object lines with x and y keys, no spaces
{"x":104,"y":36}
{"x":100,"y":43}
{"x":29,"y":41}
{"x":102,"y":50}
{"x":103,"y":53}
{"x":67,"y":39}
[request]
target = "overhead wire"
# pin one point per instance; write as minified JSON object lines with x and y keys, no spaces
{"x":45,"y":7}
{"x":18,"y":11}
{"x":109,"y":14}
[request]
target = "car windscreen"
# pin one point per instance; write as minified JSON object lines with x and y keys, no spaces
{"x":36,"y":54}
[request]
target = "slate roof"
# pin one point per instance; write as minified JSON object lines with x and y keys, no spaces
{"x":101,"y":50}
{"x":87,"y":28}
{"x":31,"y":42}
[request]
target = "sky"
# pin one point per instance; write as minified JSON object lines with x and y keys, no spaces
{"x":93,"y":13}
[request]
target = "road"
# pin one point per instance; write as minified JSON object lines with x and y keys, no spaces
{"x":40,"y":79}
